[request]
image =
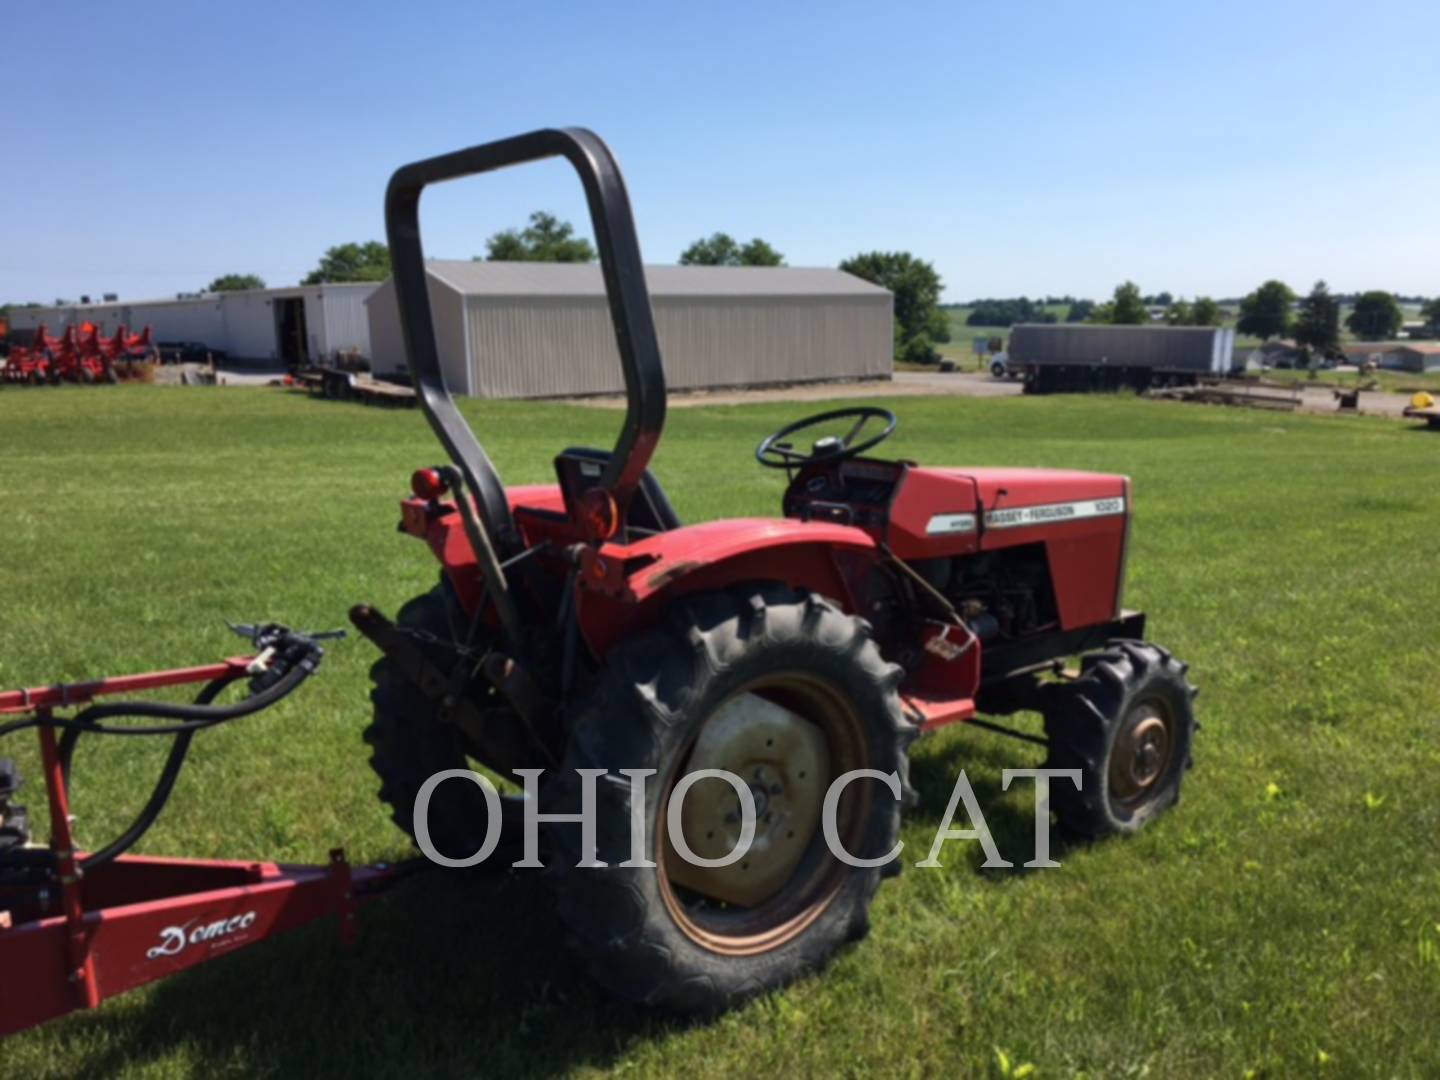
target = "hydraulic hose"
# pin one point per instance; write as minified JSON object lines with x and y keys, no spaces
{"x":163,"y":786}
{"x":184,"y":721}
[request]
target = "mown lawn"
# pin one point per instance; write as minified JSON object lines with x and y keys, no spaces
{"x":1284,"y":920}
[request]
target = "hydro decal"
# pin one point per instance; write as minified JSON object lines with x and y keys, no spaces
{"x":945,"y":524}
{"x":1046,"y":515}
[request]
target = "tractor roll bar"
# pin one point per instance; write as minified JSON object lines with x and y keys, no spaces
{"x":625,"y":289}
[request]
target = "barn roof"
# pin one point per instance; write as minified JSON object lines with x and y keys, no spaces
{"x":583,"y":279}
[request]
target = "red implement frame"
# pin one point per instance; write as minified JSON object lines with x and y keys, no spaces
{"x":81,"y":938}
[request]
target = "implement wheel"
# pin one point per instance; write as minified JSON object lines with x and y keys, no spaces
{"x":1127,"y":724}
{"x":784,"y":691}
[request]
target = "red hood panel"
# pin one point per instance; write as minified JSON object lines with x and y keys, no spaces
{"x":1034,"y":487}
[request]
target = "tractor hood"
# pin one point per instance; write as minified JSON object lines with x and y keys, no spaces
{"x":1036,"y":494}
{"x":951,"y":511}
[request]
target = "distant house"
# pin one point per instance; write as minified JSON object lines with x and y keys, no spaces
{"x":1277,"y":352}
{"x":1418,"y":331}
{"x":1414,"y":356}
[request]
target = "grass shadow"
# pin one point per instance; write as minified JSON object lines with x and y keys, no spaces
{"x":453,"y":974}
{"x":1009,"y":815}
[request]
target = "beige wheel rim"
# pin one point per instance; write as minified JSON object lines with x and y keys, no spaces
{"x":786,"y":737}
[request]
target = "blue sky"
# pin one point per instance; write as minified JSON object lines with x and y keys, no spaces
{"x":1022,"y":147}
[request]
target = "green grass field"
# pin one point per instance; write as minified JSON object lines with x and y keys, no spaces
{"x":1283,"y":921}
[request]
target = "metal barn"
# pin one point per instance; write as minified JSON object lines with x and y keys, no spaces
{"x":521,"y":330}
{"x":306,"y":323}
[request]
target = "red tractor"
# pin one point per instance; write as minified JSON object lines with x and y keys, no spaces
{"x":582,"y":636}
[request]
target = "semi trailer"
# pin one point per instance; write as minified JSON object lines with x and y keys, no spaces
{"x":1054,"y":358}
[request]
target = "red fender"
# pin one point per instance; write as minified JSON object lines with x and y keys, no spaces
{"x":621,"y":588}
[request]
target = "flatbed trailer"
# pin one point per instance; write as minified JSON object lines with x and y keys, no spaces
{"x":353,"y":386}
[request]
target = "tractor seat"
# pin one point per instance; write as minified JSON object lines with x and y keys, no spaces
{"x":578,"y":469}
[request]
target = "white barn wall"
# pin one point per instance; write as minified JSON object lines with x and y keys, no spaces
{"x":344,"y":325}
{"x":526,"y":347}
{"x":387,"y":347}
{"x":249,"y":326}
{"x":173,"y":320}
{"x":550,"y":346}
{"x":387,"y":350}
{"x":242,"y":324}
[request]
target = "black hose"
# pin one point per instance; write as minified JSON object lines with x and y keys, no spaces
{"x":163,"y":786}
{"x":66,"y":750}
{"x":189,"y":719}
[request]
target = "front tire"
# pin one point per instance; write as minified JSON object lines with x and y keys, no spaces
{"x":1126,"y":724}
{"x":756,"y":681}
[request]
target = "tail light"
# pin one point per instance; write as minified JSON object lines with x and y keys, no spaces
{"x":427,"y":483}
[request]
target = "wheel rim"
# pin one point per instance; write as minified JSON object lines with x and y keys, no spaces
{"x":1142,"y":752}
{"x":791,"y":726}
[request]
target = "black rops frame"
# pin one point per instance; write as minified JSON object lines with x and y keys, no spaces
{"x":625,"y":289}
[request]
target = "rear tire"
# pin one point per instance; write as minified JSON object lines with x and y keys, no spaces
{"x":1127,"y":724}
{"x":658,"y":942}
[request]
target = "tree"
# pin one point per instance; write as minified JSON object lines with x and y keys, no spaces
{"x":1265,"y":313}
{"x":1431,"y":314}
{"x":759,"y":253}
{"x":1377,"y":317}
{"x":1008,"y":312}
{"x":717,"y":249}
{"x":1128,"y":306}
{"x":1318,"y":324}
{"x":1204,"y":312}
{"x":545,"y":239}
{"x":722,"y":249}
{"x":1180,"y":313}
{"x":919,"y":322}
{"x":1080,"y":310}
{"x":1160,"y":299}
{"x":235,"y":282}
{"x":369,"y":261}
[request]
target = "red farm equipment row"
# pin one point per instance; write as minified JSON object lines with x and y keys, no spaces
{"x":78,"y":355}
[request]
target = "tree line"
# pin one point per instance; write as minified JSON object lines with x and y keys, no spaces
{"x":921,"y":323}
{"x":1273,"y":310}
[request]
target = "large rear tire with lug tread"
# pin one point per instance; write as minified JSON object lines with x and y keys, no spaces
{"x":1126,"y":724}
{"x":410,"y":742}
{"x":780,"y":688}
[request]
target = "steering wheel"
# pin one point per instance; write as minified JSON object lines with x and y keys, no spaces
{"x":774,"y":452}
